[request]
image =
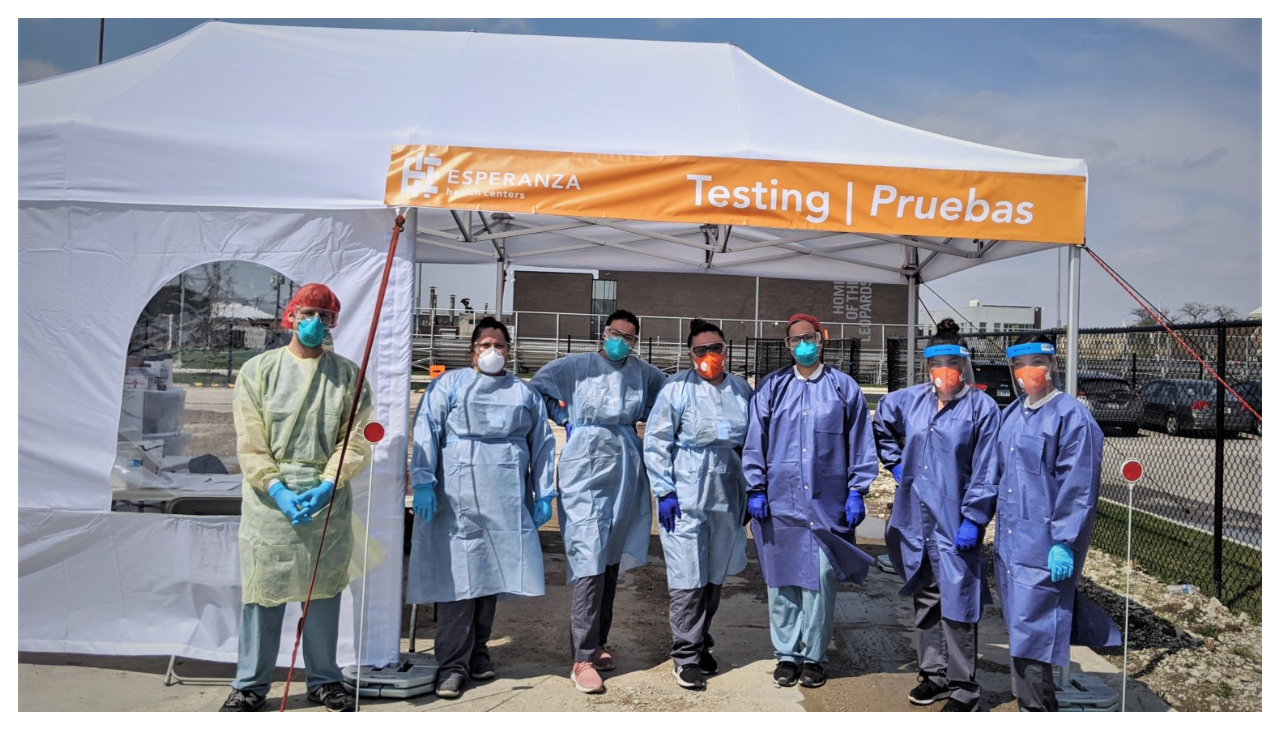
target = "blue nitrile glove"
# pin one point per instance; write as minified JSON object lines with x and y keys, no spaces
{"x":288,"y":503}
{"x":668,"y":511}
{"x":541,"y":511}
{"x":896,"y":471}
{"x":854,"y":511}
{"x":758,"y":505}
{"x":314,"y":499}
{"x":1062,"y":562}
{"x":424,"y":501}
{"x":967,"y":535}
{"x":568,"y":430}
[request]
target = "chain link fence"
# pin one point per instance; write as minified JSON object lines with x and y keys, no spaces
{"x":1198,"y":509}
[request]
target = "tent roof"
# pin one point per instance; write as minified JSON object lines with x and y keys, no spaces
{"x":270,"y":117}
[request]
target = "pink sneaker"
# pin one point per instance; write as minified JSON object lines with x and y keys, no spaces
{"x":586,"y":679}
{"x":602,"y":660}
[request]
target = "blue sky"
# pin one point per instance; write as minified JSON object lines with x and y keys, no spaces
{"x":1167,"y":114}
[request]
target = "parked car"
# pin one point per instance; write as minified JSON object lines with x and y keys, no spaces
{"x":1111,"y":401}
{"x":1251,"y":391}
{"x":992,"y":377}
{"x":1180,"y":406}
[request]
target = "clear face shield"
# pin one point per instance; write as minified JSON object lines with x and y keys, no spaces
{"x":1034,"y":367}
{"x":949,"y":370}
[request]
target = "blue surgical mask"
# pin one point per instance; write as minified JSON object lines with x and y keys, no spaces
{"x":806,"y":353}
{"x":616,"y":349}
{"x":311,"y":331}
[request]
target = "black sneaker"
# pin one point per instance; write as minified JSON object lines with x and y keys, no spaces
{"x":707,"y":664}
{"x":786,"y":674}
{"x":927,"y":693}
{"x":954,"y":705}
{"x":243,"y":701}
{"x":689,"y":677}
{"x":334,"y":696}
{"x":450,"y":688}
{"x":813,"y":675}
{"x":482,"y":668}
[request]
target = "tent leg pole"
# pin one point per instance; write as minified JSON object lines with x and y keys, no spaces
{"x":500,"y":289}
{"x":913,"y":308}
{"x":1073,"y":318}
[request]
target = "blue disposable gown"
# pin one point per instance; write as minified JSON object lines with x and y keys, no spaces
{"x":808,"y":444}
{"x":483,"y":442}
{"x":1046,"y":475}
{"x":606,"y":512}
{"x":942,"y":452}
{"x":692,"y":446}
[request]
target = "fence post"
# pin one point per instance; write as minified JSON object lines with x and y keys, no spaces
{"x":650,"y":358}
{"x":569,"y":344}
{"x":230,"y":325}
{"x":1217,"y":466}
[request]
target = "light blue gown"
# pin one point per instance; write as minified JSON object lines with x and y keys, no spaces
{"x":693,"y":446}
{"x":605,"y":508}
{"x":484,"y":444}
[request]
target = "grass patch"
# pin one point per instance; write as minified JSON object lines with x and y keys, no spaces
{"x":1176,"y":553}
{"x":1224,"y":690}
{"x":1209,"y":631}
{"x":1247,"y":654}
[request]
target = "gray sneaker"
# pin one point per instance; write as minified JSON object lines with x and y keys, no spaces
{"x":450,"y":688}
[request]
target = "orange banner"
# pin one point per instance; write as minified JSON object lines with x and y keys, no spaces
{"x":718,"y":190}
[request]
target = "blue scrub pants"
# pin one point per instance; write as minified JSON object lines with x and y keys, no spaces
{"x":260,"y":645}
{"x":801,"y":621}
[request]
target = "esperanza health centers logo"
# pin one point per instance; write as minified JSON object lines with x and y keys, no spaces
{"x":415,"y":176}
{"x":421,"y":176}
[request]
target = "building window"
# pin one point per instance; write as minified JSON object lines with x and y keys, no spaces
{"x":604,"y":300}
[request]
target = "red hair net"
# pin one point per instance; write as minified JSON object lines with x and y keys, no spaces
{"x":804,"y":318}
{"x":310,"y":295}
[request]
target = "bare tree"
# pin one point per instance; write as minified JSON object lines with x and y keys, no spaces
{"x":1195,"y":312}
{"x":1222,"y":311}
{"x":1142,"y":318}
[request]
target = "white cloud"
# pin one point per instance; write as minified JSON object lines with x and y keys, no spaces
{"x":1237,"y":40}
{"x":31,"y":69}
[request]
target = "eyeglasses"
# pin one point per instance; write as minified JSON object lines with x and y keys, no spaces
{"x":809,"y":338}
{"x":702,"y":350}
{"x":499,"y":346}
{"x":329,"y":318}
{"x":613,"y":334}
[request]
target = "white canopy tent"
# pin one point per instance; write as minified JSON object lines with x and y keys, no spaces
{"x":285,"y":146}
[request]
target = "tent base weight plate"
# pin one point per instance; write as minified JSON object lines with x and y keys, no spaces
{"x":412,"y":676}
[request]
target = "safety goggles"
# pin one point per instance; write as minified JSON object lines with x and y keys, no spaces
{"x":499,"y":346}
{"x":809,"y":338}
{"x":329,"y":317}
{"x":613,"y":334}
{"x":716,"y":348}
